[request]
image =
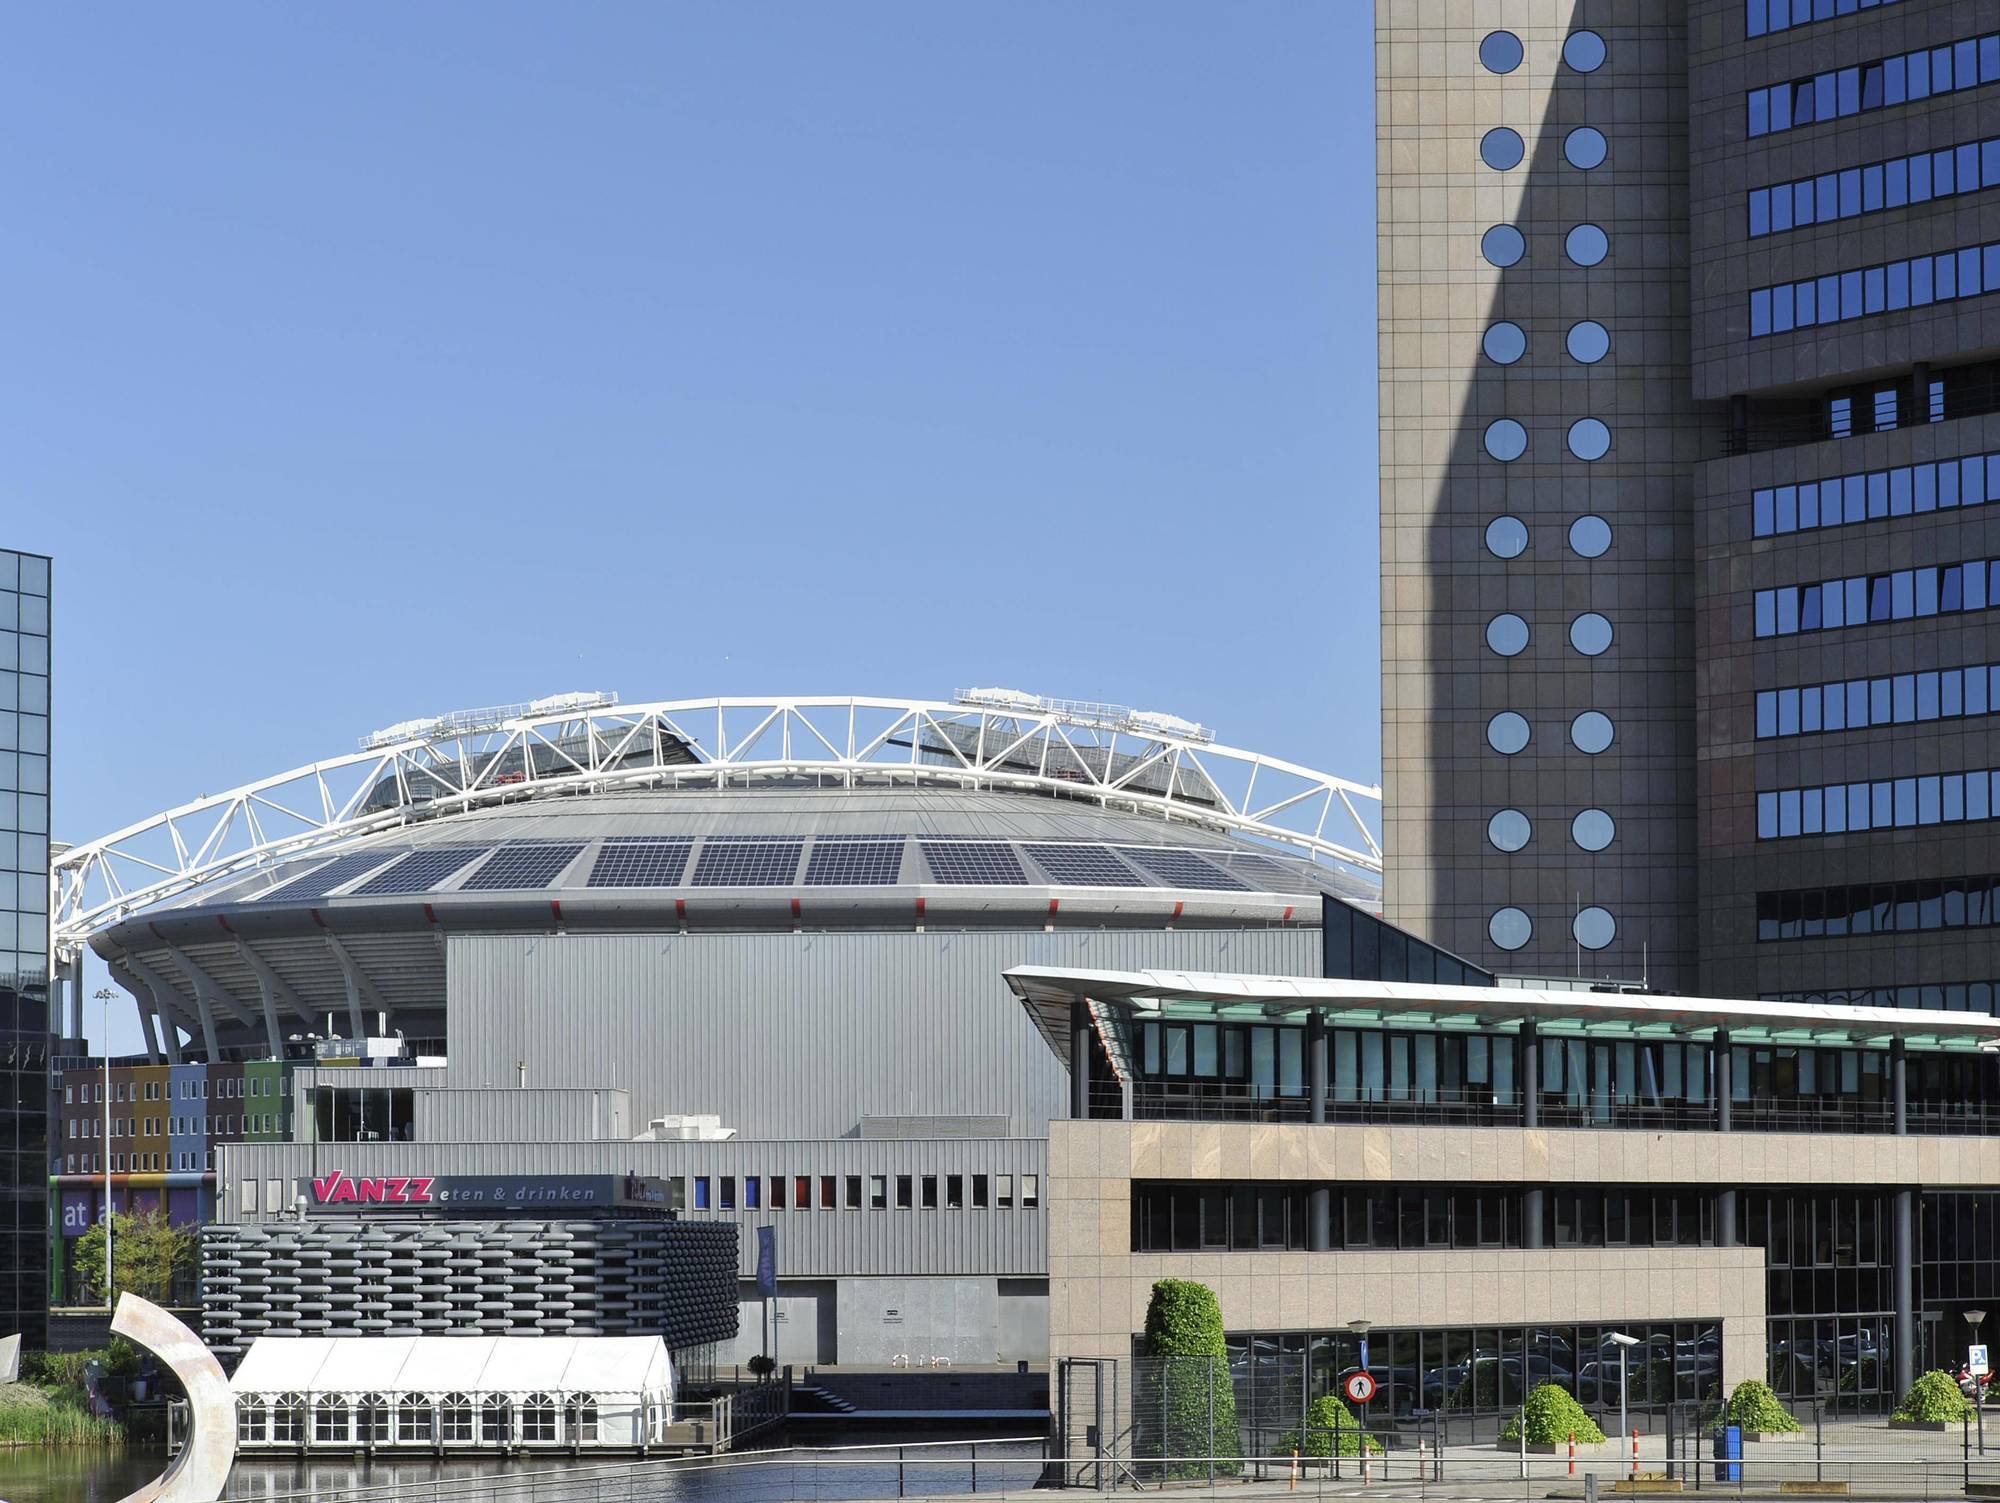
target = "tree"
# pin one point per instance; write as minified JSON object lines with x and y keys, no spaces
{"x":1187,"y":1399}
{"x":149,"y":1256}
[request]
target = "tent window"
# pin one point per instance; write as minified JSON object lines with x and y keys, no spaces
{"x":538,"y":1419}
{"x":496,"y":1418}
{"x":331,"y":1422}
{"x":250,"y":1420}
{"x":583,"y":1418}
{"x":455,"y":1419}
{"x":288,"y":1419}
{"x":413,"y":1419}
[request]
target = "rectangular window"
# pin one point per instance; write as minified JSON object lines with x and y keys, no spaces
{"x":954,"y":1192}
{"x":701,"y":1192}
{"x":1003,"y":1192}
{"x":878,"y":1192}
{"x":979,"y":1188}
{"x":930,"y":1184}
{"x":904,"y":1188}
{"x":829,"y":1198}
{"x":752,"y":1192}
{"x":777,"y":1192}
{"x":853,"y":1192}
{"x":726,"y":1192}
{"x":1031,"y":1191}
{"x":802,"y":1192}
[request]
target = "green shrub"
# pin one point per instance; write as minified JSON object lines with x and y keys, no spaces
{"x":1186,"y":1404}
{"x":1331,"y":1430}
{"x":1934,"y":1398}
{"x":1755,"y":1407}
{"x":1553,"y":1417}
{"x":31,"y":1417}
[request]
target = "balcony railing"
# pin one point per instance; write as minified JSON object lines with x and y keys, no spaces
{"x":1238,"y":1101}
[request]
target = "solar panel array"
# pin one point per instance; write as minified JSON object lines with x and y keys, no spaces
{"x":340,"y":870}
{"x":1084,"y":866}
{"x":855,"y":863}
{"x":748,"y":861}
{"x":421,"y":870}
{"x":1181,"y":868}
{"x":640,"y":861}
{"x":522,"y":865}
{"x":1267,"y":869}
{"x":979,"y":863}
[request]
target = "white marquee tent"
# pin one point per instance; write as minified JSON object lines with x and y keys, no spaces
{"x":457,"y":1392}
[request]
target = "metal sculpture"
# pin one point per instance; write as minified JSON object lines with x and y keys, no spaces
{"x":202,"y":1468}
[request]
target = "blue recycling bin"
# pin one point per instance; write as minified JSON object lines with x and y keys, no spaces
{"x":1728,"y":1451}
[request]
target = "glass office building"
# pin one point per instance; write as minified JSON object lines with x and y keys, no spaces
{"x":24,"y":942}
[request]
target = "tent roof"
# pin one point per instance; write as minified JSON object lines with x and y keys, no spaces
{"x":443,"y":1364}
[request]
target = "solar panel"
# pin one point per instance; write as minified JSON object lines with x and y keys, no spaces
{"x":988,"y":863}
{"x":1084,"y":866}
{"x":640,"y":861}
{"x":421,"y":870}
{"x":855,"y":863}
{"x":340,"y":870}
{"x":1269,"y":871}
{"x":522,"y":864}
{"x":1181,"y":868}
{"x":748,"y":861}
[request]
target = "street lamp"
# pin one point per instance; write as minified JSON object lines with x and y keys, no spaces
{"x":1975,"y":1319}
{"x":104,"y":994}
{"x":1624,"y":1344}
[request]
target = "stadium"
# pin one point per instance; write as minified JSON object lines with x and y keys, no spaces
{"x":751,"y":949}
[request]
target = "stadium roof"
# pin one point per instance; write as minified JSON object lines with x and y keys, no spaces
{"x":431,"y":790}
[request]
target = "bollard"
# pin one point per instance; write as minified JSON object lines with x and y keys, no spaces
{"x":1295,"y":1469}
{"x":1572,"y":1453}
{"x":1635,"y":1452}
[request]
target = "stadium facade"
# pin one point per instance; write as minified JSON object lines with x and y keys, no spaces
{"x":754,"y":951}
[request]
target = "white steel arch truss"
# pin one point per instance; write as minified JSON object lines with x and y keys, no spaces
{"x":719,"y":742}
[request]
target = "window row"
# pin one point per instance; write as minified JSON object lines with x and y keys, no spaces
{"x":1762,"y":16}
{"x":1838,"y":912}
{"x":1887,"y":81}
{"x":25,"y":572}
{"x":1856,"y":703}
{"x":1934,"y":590}
{"x":1936,"y":996}
{"x":139,"y":1163}
{"x":414,"y":1419}
{"x":1906,"y":490}
{"x":1914,"y":282}
{"x":1913,"y":179}
{"x":855,"y":1192}
{"x":1884,"y":804}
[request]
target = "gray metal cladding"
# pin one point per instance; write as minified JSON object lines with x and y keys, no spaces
{"x":801,"y":1035}
{"x":812,"y":1243}
{"x":489,"y":1278}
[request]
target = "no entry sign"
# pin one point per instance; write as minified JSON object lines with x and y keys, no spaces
{"x":1360,"y":1387}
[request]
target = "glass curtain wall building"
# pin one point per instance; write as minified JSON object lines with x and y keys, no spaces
{"x":1690,"y":403}
{"x":24,"y":941}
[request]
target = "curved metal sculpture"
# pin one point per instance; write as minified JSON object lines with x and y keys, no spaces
{"x":1103,"y":753}
{"x":199,"y":1472}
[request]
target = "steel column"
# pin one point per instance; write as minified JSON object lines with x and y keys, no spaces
{"x":1079,"y":1059}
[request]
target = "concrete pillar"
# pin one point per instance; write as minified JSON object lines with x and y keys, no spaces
{"x":1905,"y":1295}
{"x":1530,"y":1079}
{"x":1723,"y":1053}
{"x":1080,"y":1045}
{"x":1319,"y":1199}
{"x":1899,"y":1086}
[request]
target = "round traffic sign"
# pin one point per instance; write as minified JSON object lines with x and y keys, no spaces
{"x":1360,"y":1387}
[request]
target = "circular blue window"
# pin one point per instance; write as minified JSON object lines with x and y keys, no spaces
{"x":1584,"y":147}
{"x":1586,"y":245}
{"x":1510,"y":929}
{"x":1501,"y":149}
{"x":1591,"y":732}
{"x":1500,"y":52}
{"x":1506,"y":537}
{"x":1502,"y":245}
{"x":1504,"y":343}
{"x":1507,"y":733}
{"x":1506,"y":440}
{"x":1589,"y":537}
{"x":1584,"y":51}
{"x":1587,"y":342}
{"x":1589,"y":439}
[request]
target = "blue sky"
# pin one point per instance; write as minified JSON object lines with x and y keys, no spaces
{"x":368,"y":364}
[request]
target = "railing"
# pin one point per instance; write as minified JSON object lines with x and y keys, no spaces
{"x":1237,"y":1101}
{"x":925,"y":1469}
{"x":1970,"y":397}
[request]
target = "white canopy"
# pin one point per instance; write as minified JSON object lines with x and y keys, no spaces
{"x":455,"y":1364}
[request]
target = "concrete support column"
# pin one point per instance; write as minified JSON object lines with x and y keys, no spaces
{"x":1080,"y":1045}
{"x":1319,"y":1199}
{"x":1899,"y":1086}
{"x":1722,"y":1052}
{"x":1920,"y":393}
{"x":1905,"y":1294}
{"x":1530,"y":1081}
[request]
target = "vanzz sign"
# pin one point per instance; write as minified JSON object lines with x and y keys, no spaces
{"x":339,"y":1188}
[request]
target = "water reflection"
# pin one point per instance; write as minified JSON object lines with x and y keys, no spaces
{"x":928,"y":1467}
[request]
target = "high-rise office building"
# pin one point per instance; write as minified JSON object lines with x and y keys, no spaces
{"x":1687,"y":347}
{"x":24,"y":939}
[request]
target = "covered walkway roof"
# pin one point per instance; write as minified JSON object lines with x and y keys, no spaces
{"x":1048,"y":991}
{"x":599,"y":1365}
